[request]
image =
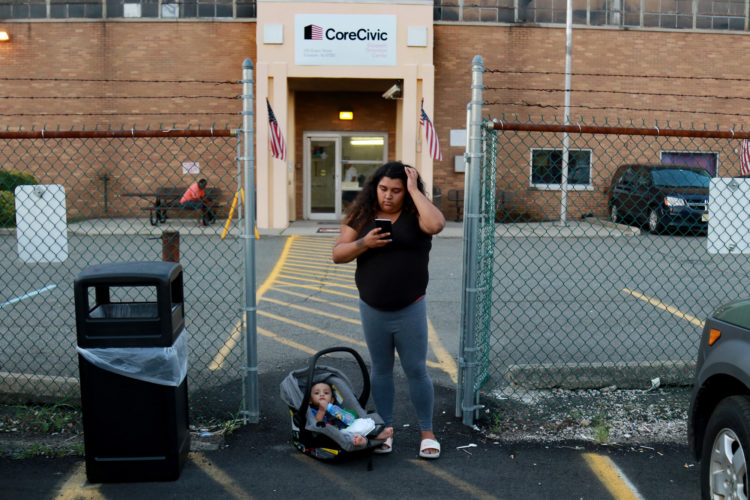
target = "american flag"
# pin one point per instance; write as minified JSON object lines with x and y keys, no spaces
{"x":430,"y":134}
{"x":745,"y":158}
{"x":278,"y":146}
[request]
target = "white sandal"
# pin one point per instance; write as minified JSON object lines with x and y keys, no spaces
{"x":384,"y":448}
{"x":429,"y":444}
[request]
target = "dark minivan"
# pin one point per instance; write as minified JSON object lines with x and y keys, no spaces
{"x":660,"y":196}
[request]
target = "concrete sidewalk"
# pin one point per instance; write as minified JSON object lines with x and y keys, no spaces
{"x":591,"y":227}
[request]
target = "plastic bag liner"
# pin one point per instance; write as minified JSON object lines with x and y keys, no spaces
{"x":158,"y":365}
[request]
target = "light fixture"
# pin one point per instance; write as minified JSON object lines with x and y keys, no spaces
{"x":366,"y":141}
{"x":4,"y":36}
{"x":346,"y":114}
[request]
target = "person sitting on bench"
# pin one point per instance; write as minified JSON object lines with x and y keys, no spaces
{"x":194,"y":199}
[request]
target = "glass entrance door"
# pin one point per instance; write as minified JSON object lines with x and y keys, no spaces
{"x":323,"y":160}
{"x":361,"y":155}
{"x":336,"y":167}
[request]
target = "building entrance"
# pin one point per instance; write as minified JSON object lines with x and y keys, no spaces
{"x":336,"y":166}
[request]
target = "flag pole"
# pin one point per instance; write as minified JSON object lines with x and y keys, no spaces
{"x":566,"y":135}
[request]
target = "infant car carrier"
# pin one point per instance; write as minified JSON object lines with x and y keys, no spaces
{"x":316,"y":439}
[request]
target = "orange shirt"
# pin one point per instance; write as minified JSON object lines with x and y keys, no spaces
{"x":193,"y":193}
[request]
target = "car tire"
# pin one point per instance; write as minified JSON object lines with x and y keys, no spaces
{"x":614,"y":214}
{"x":725,"y":447}
{"x":655,"y":225}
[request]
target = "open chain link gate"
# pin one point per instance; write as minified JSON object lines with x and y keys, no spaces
{"x":564,"y":301}
{"x":112,"y":218}
{"x":105,"y":196}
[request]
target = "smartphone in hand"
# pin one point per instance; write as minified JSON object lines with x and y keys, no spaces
{"x":385,"y":225}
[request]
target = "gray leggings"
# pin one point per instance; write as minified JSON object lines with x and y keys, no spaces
{"x":404,"y":331}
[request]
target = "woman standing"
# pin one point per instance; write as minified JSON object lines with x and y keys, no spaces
{"x":392,"y":276}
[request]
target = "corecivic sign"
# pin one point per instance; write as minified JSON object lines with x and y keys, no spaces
{"x":344,"y":40}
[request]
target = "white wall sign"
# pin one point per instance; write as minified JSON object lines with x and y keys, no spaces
{"x":273,"y":33}
{"x":344,"y":40}
{"x":416,"y":36}
{"x":728,"y":217}
{"x":458,"y":137}
{"x":41,"y":229}
{"x":191,"y":167}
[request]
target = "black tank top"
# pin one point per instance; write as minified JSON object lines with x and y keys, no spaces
{"x":392,"y":277}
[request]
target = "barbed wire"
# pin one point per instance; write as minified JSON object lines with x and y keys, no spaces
{"x":98,"y":3}
{"x":207,"y":113}
{"x":617,"y":75}
{"x":623,"y":92}
{"x":617,"y":108}
{"x":109,"y":80}
{"x":73,"y":98}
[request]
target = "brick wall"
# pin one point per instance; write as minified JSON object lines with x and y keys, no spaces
{"x":91,"y":56}
{"x":631,"y":53}
{"x":63,"y":59}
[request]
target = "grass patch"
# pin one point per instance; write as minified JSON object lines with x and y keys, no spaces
{"x":59,"y":418}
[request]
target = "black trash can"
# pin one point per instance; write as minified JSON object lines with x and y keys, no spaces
{"x":130,"y":322}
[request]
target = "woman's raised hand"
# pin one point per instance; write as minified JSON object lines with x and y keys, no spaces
{"x":411,"y":178}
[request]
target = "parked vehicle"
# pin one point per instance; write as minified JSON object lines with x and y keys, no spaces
{"x":660,"y":196}
{"x":719,"y":415}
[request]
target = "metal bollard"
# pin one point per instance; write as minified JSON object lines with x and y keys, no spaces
{"x":170,"y":246}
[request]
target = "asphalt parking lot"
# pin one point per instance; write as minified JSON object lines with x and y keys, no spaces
{"x":259,"y":461}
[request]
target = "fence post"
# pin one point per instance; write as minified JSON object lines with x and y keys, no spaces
{"x":170,"y":246}
{"x":251,"y":410}
{"x":466,"y":395}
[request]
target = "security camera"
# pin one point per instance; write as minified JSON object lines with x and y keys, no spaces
{"x":393,"y":93}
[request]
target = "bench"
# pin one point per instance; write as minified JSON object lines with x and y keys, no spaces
{"x":167,"y":199}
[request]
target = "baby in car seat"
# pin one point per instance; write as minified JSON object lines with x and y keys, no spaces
{"x":326,"y":412}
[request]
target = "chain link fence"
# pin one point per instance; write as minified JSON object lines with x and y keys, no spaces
{"x":121,"y":198}
{"x":572,"y":301}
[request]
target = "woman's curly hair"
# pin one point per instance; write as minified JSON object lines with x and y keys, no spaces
{"x":365,"y":204}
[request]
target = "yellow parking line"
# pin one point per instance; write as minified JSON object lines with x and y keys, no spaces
{"x":75,"y":486}
{"x":219,"y":476}
{"x":295,"y":258}
{"x":318,"y":275}
{"x":321,"y":283}
{"x":333,"y":481}
{"x":277,"y":268}
{"x":445,"y":360}
{"x":313,"y":311}
{"x":315,"y":253}
{"x":661,"y":305}
{"x":319,"y":270}
{"x":311,"y":328}
{"x":286,"y":342}
{"x":307,"y":244}
{"x":317,"y":289}
{"x":612,"y":477}
{"x":454,"y":481}
{"x":218,"y":362}
{"x":234,"y":337}
{"x":316,"y":241}
{"x":316,"y":299}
